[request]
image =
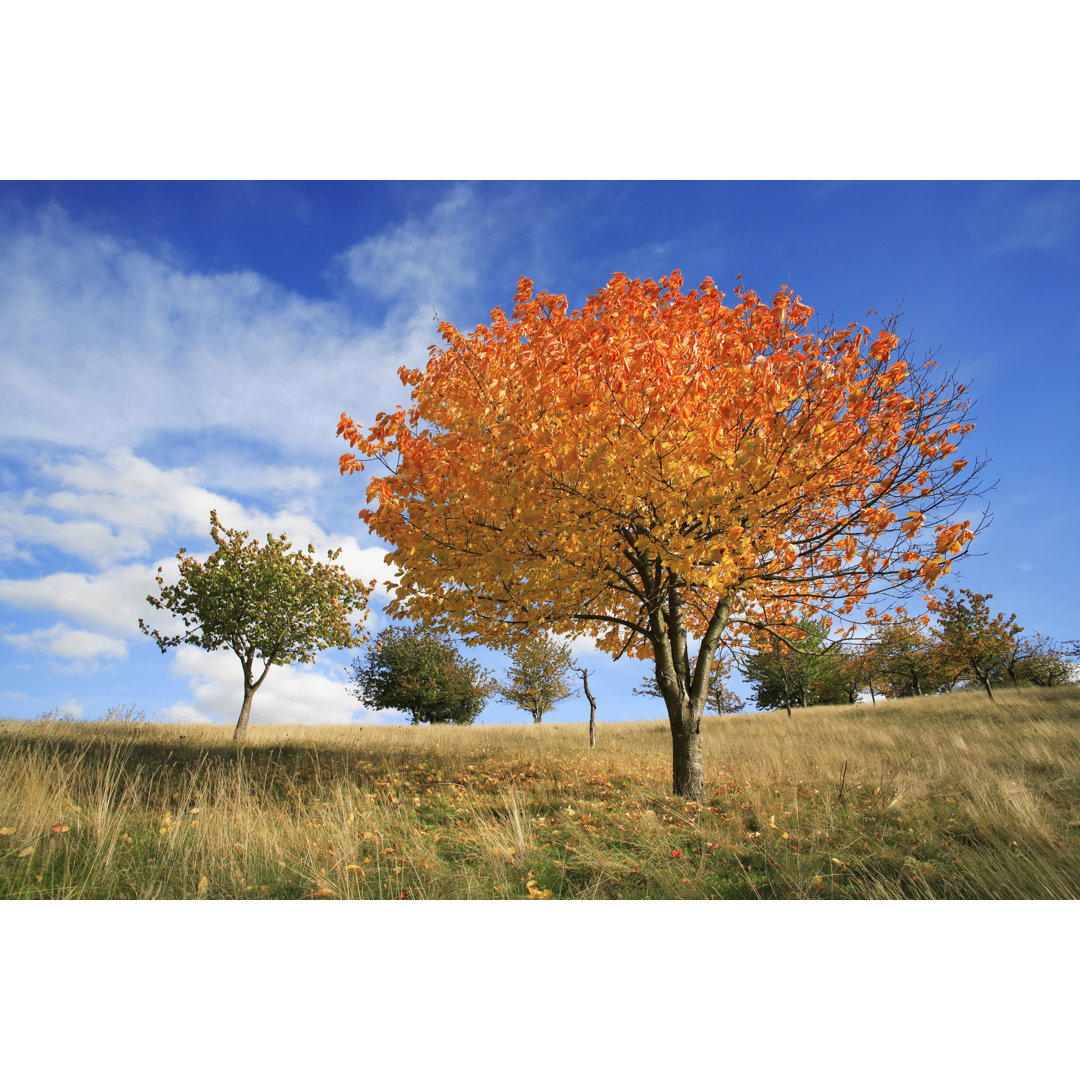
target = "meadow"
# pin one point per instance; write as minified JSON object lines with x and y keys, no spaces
{"x":944,"y":797}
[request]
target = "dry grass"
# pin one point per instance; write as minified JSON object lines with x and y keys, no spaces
{"x":943,"y":797}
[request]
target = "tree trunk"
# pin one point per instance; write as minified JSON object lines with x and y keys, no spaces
{"x":240,"y":731}
{"x":986,"y":685}
{"x":687,"y":766}
{"x":592,"y":709}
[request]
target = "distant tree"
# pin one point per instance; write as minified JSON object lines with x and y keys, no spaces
{"x":265,"y":603}
{"x":973,"y":642}
{"x":1039,"y":660}
{"x":420,"y":673}
{"x":857,"y":670}
{"x":718,"y":696}
{"x":538,"y":677}
{"x":909,"y":660}
{"x":796,"y":666}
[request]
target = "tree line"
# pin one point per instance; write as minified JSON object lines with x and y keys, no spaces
{"x":903,"y":656}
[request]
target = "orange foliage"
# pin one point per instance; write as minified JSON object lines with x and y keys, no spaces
{"x":660,"y":456}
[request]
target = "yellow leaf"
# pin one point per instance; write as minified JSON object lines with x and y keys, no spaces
{"x":352,"y":868}
{"x":772,"y":822}
{"x":26,"y":851}
{"x":7,"y":830}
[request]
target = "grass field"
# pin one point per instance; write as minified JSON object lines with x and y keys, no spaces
{"x":950,"y":797}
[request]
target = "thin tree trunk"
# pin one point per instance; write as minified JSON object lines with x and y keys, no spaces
{"x":592,"y":708}
{"x":240,"y":731}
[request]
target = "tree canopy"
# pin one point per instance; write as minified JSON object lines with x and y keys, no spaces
{"x":539,"y":676}
{"x":411,"y":670}
{"x":264,"y":602}
{"x":662,"y":466}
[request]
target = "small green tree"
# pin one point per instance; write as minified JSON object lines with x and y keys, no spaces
{"x":265,"y":603}
{"x":718,"y":697}
{"x":796,"y":666}
{"x":538,"y":677}
{"x":421,"y":673}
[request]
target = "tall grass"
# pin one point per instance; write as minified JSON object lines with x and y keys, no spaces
{"x":937,"y":797}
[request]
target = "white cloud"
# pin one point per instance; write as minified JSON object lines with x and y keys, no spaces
{"x":115,"y":599}
{"x":422,"y":261}
{"x":83,"y":647}
{"x":104,"y":344}
{"x":139,"y":395}
{"x":293,"y":694}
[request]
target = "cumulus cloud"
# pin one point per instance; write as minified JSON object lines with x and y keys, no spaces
{"x":294,"y":694}
{"x":114,"y":599}
{"x":82,"y":647}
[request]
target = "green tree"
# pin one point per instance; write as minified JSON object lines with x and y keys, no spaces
{"x":797,"y":666}
{"x":721,"y":700}
{"x":267,"y":604}
{"x":973,"y":642}
{"x":421,"y":673}
{"x":538,"y":677}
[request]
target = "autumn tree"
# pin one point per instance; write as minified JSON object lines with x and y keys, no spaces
{"x":539,"y":675}
{"x":268,"y":604}
{"x":1040,"y":661}
{"x":662,"y":467}
{"x":973,"y":641}
{"x":910,"y":661}
{"x":415,"y":671}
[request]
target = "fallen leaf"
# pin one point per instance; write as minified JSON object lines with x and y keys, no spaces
{"x":352,"y":868}
{"x":7,"y":830}
{"x":60,"y":827}
{"x":676,"y":852}
{"x":324,"y":894}
{"x":26,"y":851}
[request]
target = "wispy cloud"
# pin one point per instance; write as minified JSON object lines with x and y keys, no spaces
{"x":1040,"y":217}
{"x":140,"y":394}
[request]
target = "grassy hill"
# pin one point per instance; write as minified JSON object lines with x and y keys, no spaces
{"x":949,"y":797}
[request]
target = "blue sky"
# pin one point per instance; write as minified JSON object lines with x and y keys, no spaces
{"x":172,"y":347}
